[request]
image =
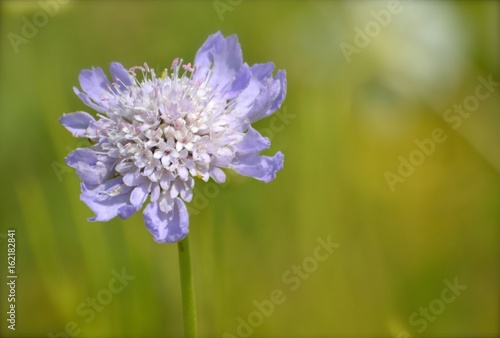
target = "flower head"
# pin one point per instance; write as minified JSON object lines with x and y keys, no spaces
{"x":156,"y":133}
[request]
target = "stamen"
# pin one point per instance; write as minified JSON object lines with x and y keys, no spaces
{"x":174,"y":63}
{"x":188,"y":67}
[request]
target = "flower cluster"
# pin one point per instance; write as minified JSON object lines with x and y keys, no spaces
{"x":155,"y":134}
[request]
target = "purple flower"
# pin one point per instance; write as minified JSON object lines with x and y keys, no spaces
{"x":154,"y":135}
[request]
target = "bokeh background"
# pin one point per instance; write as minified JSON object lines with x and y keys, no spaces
{"x":344,"y":124}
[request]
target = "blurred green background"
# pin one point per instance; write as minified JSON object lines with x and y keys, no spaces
{"x":342,"y":127}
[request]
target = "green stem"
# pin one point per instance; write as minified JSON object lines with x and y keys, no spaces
{"x":188,"y":307}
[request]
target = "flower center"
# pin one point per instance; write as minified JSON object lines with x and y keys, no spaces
{"x":166,"y":130}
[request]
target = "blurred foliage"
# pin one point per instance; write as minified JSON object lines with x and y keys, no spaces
{"x":344,"y":124}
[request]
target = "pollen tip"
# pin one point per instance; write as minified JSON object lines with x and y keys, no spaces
{"x":175,"y":63}
{"x":188,"y":67}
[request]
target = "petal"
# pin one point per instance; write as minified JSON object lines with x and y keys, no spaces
{"x":90,"y":167}
{"x":183,"y":173}
{"x":248,"y":162}
{"x":240,"y":81}
{"x":167,"y":228}
{"x":77,"y":123}
{"x":223,"y":157}
{"x":133,"y":178}
{"x":187,"y":194}
{"x":95,"y":83}
{"x":281,"y":78}
{"x":165,"y":202}
{"x":218,"y":175}
{"x":264,"y":95}
{"x":107,"y":200}
{"x":221,"y":59}
{"x":263,"y":168}
{"x":85,"y":99}
{"x":253,"y":142}
{"x":176,"y":188}
{"x":139,"y":194}
{"x":85,"y":155}
{"x":155,"y":192}
{"x":261,"y":74}
{"x":126,"y":211}
{"x":120,"y":75}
